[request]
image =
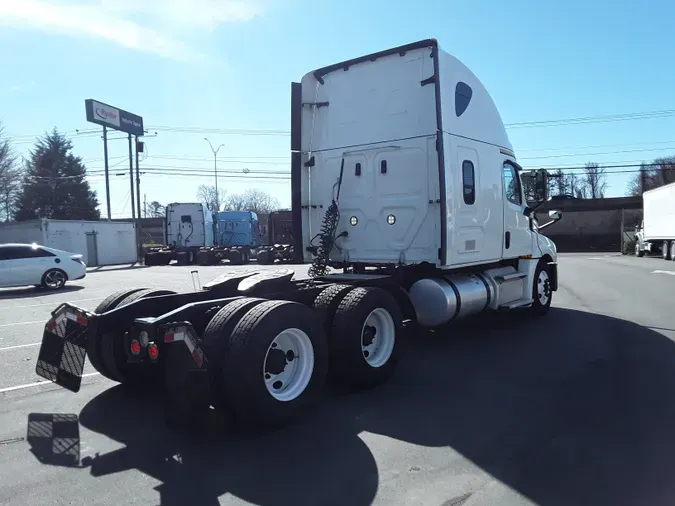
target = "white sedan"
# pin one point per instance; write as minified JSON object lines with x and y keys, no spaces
{"x":30,"y":264}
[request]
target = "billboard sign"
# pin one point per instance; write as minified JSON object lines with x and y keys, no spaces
{"x":112,"y":117}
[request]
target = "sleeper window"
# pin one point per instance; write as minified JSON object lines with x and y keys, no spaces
{"x":512,"y":184}
{"x":468,"y":182}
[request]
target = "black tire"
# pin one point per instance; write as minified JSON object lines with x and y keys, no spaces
{"x":53,"y":279}
{"x":247,"y":394}
{"x":236,"y":257}
{"x":263,"y":257}
{"x":94,"y":344}
{"x":672,"y":251}
{"x":539,"y":307}
{"x":114,"y":355}
{"x":348,"y":363}
{"x":665,"y":254}
{"x":150,"y":259}
{"x":327,"y":303}
{"x":216,"y":341}
{"x":182,"y":258}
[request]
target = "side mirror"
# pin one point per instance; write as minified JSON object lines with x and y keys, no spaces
{"x":555,"y":214}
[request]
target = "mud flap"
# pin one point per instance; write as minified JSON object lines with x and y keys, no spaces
{"x":64,"y":346}
{"x":188,"y":395}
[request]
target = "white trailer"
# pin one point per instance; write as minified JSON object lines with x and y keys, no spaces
{"x":402,"y":177}
{"x":189,"y":228}
{"x":100,"y":242}
{"x":656,"y":233}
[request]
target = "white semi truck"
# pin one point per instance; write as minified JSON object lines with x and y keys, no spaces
{"x":188,"y":230}
{"x":656,"y":233}
{"x":403,"y":179}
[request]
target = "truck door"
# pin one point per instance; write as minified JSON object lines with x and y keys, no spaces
{"x":518,"y":239}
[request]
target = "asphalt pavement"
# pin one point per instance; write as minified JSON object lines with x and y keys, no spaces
{"x":574,"y":408}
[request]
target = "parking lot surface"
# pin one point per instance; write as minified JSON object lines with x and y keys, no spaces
{"x":574,"y":408}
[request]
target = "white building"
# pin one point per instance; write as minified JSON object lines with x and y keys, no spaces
{"x":101,"y":242}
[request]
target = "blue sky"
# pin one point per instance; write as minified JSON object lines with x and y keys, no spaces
{"x":219,"y":65}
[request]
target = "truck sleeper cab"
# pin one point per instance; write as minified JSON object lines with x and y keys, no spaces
{"x":404,"y":178}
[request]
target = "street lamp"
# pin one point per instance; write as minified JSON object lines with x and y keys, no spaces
{"x":215,"y":169}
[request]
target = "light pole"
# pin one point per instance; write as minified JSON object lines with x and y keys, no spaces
{"x":215,"y":170}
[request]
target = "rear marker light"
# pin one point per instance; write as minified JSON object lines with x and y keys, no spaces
{"x":153,"y":351}
{"x":135,"y":347}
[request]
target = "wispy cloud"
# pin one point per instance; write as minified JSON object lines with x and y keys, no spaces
{"x":154,"y":26}
{"x":22,"y":87}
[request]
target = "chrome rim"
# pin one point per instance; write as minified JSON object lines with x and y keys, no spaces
{"x":289,"y":364}
{"x":543,"y":288}
{"x":378,"y":337}
{"x":55,"y":279}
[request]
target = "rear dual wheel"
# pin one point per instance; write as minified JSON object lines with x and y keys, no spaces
{"x":268,"y":360}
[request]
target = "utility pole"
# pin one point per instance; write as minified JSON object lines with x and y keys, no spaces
{"x":215,"y":172}
{"x":139,"y":226}
{"x":107,"y":174}
{"x":131,"y":180}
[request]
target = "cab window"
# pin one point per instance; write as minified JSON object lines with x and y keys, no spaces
{"x":512,"y":184}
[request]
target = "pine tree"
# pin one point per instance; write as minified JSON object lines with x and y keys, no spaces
{"x":54,"y":183}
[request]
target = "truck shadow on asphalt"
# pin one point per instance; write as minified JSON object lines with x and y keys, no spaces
{"x":32,"y":292}
{"x":574,"y":408}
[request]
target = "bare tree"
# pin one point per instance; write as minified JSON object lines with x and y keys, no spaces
{"x":594,"y":181}
{"x":255,"y":200}
{"x":575,"y":186}
{"x":559,"y":183}
{"x":211,"y":198}
{"x":10,"y":179}
{"x":660,"y":172}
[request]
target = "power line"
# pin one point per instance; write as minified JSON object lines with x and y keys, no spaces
{"x":597,"y":146}
{"x":568,"y":155}
{"x":663,"y":113}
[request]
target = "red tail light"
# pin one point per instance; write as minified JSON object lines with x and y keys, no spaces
{"x":153,"y":351}
{"x":78,"y":260}
{"x":135,"y":347}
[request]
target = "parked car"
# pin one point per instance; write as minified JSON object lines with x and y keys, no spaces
{"x":31,"y":264}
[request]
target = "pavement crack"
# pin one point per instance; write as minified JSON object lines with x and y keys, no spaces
{"x":11,"y":440}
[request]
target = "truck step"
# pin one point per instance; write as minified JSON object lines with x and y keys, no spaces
{"x":510,"y":277}
{"x":516,"y":304}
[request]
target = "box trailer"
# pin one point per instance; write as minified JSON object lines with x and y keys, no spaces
{"x":99,"y":242}
{"x":404,"y":179}
{"x":656,"y":233}
{"x":189,"y":228}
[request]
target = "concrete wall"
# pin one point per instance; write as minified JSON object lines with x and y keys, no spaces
{"x":25,"y":232}
{"x":592,"y":225}
{"x":115,"y":241}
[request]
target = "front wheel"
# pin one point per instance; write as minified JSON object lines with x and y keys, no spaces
{"x":54,"y":279}
{"x":541,"y":290}
{"x":638,"y":251}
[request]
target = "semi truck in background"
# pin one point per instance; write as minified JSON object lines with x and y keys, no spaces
{"x":188,"y":229}
{"x":403,"y":178}
{"x":656,"y":233}
{"x":237,"y":237}
{"x":279,"y":239}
